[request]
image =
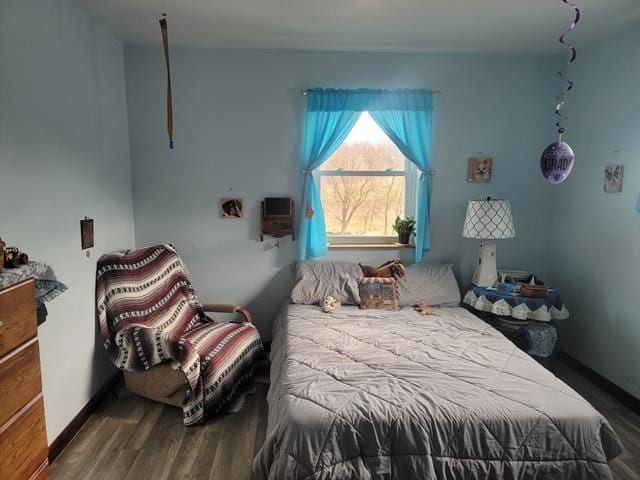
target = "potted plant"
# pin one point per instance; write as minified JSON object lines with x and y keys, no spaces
{"x":404,"y":227}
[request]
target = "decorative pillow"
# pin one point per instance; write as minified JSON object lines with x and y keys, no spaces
{"x":316,"y":280}
{"x":434,"y":283}
{"x":378,"y":292}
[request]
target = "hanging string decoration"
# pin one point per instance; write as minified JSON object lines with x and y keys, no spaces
{"x":557,"y":160}
{"x":165,"y":43}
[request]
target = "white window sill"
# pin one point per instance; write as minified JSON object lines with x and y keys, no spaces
{"x":369,"y":246}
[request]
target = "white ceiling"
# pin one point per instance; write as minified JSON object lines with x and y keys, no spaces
{"x":497,"y":26}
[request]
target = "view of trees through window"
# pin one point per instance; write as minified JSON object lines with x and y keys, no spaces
{"x":363,"y":183}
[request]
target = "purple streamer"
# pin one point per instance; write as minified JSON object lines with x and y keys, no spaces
{"x":568,"y":83}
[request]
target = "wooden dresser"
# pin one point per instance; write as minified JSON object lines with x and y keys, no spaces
{"x":23,"y":436}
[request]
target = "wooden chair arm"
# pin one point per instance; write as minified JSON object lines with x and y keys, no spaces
{"x":228,"y":308}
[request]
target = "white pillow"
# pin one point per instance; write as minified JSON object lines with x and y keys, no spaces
{"x":316,"y":280}
{"x":434,"y":283}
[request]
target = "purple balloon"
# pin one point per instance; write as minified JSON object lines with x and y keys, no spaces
{"x":556,"y":162}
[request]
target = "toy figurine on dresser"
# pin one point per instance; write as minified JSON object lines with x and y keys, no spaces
{"x":3,"y":246}
{"x":11,"y":256}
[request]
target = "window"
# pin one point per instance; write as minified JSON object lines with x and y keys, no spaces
{"x":365,"y":185}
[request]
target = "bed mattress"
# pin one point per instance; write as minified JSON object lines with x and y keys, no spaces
{"x":376,"y":394}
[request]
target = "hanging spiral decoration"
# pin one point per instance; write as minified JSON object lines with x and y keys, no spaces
{"x":557,"y":160}
{"x":562,"y":73}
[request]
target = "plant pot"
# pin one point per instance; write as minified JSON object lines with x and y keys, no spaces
{"x":403,"y":238}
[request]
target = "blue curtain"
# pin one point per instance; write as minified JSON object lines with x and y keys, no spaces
{"x":328,"y":122}
{"x":404,"y":115}
{"x":410,"y":130}
{"x":638,"y":205}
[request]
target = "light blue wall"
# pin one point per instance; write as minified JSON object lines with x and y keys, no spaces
{"x":64,"y":154}
{"x":596,"y":235}
{"x":238,"y":117}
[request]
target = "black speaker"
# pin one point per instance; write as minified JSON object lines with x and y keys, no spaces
{"x":277,"y":206}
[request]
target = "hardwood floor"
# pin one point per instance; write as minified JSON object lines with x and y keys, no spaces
{"x":131,"y":438}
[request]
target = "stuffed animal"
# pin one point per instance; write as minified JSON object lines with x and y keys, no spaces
{"x":388,"y":269}
{"x":423,"y":308}
{"x":329,"y":304}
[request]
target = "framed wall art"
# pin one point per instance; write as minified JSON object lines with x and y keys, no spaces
{"x":479,"y":169}
{"x":86,"y":233}
{"x":231,"y":208}
{"x":613,"y":178}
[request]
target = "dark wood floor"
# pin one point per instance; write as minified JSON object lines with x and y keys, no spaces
{"x":131,"y":438}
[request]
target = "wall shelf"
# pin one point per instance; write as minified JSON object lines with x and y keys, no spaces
{"x":280,"y":224}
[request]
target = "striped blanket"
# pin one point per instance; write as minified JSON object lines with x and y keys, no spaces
{"x":149,"y":313}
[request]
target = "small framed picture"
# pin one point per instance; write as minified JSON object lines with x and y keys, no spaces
{"x":232,"y":207}
{"x":613,"y":178}
{"x":479,"y":170}
{"x":86,"y":233}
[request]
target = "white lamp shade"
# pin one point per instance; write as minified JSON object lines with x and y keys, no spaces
{"x":489,"y":219}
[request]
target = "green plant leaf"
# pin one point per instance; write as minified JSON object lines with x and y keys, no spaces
{"x":405,"y":226}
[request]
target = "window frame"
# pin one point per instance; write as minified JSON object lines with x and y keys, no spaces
{"x":410,"y":174}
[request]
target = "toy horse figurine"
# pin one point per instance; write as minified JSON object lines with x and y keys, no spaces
{"x":388,"y":269}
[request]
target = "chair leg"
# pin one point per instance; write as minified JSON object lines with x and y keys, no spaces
{"x":116,"y":390}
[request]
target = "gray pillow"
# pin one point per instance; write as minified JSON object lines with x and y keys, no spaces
{"x":316,"y":280}
{"x":434,"y":283}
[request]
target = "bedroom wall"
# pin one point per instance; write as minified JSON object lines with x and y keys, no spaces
{"x":595,"y":234}
{"x":238,"y":116}
{"x":64,"y":154}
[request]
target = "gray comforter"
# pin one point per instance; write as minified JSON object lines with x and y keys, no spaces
{"x":376,"y":394}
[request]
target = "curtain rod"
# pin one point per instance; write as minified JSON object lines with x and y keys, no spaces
{"x":435,"y":92}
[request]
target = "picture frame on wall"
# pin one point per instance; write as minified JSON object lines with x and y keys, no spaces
{"x":479,"y":169}
{"x":613,"y":175}
{"x":232,"y":208}
{"x":86,"y":233}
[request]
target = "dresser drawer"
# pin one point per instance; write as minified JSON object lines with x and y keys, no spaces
{"x":19,"y":379}
{"x":23,"y":442}
{"x":17,"y":315}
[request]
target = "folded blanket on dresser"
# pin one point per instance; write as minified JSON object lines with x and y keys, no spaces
{"x":149,"y":314}
{"x":374,"y":394}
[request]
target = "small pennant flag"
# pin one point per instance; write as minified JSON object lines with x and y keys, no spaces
{"x":309,"y":212}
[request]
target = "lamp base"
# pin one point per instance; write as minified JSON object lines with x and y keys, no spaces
{"x":486,"y":273}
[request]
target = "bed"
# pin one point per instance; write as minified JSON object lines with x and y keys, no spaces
{"x":378,"y":394}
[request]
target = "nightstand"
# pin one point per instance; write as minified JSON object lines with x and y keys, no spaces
{"x":528,"y":322}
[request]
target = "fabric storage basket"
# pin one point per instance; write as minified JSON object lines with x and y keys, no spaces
{"x":379,"y":293}
{"x":533,"y":291}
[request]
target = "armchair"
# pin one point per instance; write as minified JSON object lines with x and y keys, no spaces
{"x":228,"y":308}
{"x":164,"y":383}
{"x":156,"y":331}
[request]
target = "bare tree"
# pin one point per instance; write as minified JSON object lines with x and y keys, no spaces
{"x":371,"y":213}
{"x":351,"y":193}
{"x":387,"y":203}
{"x":353,"y":202}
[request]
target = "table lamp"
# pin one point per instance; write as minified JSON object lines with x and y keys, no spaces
{"x":488,"y":220}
